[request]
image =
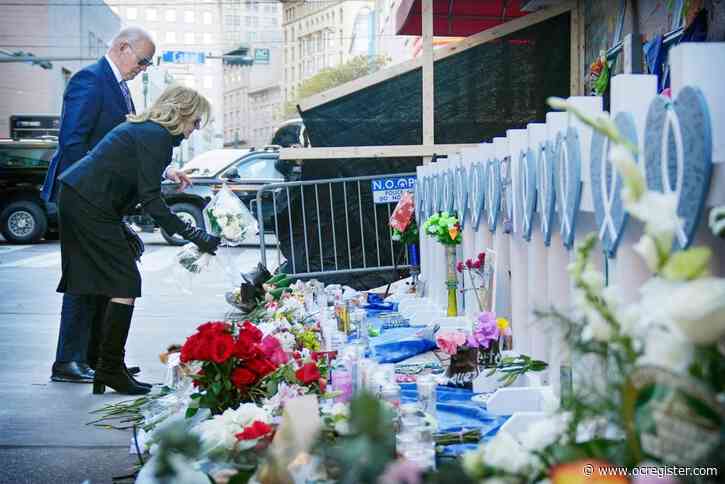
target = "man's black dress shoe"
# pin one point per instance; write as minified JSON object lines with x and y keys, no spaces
{"x":133,"y":370}
{"x":72,"y":372}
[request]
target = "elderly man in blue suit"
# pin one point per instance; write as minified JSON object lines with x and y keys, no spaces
{"x":96,"y":100}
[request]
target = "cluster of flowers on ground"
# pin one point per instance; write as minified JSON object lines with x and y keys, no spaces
{"x":232,"y":363}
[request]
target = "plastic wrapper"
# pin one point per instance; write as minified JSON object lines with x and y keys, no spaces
{"x":189,"y":263}
{"x":226,"y":217}
{"x":403,"y":213}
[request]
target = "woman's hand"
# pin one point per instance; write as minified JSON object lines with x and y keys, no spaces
{"x":179,"y":177}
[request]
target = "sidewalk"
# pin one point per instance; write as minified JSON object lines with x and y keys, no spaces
{"x":43,"y":436}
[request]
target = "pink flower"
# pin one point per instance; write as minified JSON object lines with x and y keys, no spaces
{"x":486,"y":330}
{"x":469,"y":263}
{"x":459,"y":266}
{"x":449,"y":341}
{"x":482,"y":257}
{"x":272,"y":349}
{"x":477,"y":264}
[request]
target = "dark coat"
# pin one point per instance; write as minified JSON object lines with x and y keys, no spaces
{"x":122,"y":171}
{"x":93,"y":105}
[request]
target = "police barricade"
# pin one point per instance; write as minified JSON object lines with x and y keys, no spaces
{"x":333,"y":227}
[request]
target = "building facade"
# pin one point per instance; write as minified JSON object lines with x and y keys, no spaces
{"x":82,"y":32}
{"x":252,"y":103}
{"x":397,"y":48}
{"x":193,"y":28}
{"x":324,"y":34}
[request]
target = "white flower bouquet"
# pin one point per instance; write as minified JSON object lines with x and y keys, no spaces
{"x":226,"y":217}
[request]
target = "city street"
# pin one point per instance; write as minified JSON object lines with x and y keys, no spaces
{"x":44,"y":437}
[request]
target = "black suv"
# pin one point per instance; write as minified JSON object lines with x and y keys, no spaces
{"x":244,"y":175}
{"x":24,"y":217}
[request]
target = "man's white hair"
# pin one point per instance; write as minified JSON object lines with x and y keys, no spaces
{"x":132,"y":35}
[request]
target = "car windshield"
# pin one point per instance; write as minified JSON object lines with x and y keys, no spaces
{"x":212,"y":162}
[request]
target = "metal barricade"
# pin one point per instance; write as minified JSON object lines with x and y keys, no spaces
{"x":310,"y":214}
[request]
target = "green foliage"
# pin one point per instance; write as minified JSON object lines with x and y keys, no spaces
{"x":409,"y":236}
{"x":330,"y":77}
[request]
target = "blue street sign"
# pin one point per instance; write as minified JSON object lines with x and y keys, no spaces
{"x":182,"y":57}
{"x":261,"y":56}
{"x":390,"y":189}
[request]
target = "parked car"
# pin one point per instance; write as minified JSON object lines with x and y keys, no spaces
{"x":290,"y":134}
{"x":243,"y":173}
{"x":24,"y":217}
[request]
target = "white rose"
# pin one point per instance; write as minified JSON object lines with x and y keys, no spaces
{"x":698,"y":309}
{"x":505,"y":453}
{"x":232,"y":232}
{"x":668,"y":348}
{"x":545,"y":432}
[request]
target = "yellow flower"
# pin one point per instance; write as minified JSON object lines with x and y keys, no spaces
{"x":503,"y":324}
{"x":453,"y":232}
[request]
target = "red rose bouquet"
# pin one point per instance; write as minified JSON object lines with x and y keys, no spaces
{"x":234,"y":359}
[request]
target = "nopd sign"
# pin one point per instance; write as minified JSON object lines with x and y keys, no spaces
{"x":390,"y":189}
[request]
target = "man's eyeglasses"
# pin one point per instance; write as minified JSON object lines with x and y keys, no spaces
{"x":197,"y":123}
{"x":142,"y":61}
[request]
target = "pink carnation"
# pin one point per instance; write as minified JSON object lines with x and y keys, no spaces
{"x":450,"y":341}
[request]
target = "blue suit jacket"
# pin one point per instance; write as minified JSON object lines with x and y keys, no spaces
{"x":93,"y":105}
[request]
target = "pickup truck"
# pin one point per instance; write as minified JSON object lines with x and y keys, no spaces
{"x":24,"y":217}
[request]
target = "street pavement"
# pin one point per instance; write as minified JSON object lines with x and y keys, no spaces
{"x":43,"y":433}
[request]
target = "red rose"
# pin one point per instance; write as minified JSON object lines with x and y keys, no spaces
{"x":222,"y":347}
{"x":308,"y":373}
{"x":254,"y":332}
{"x":469,"y":263}
{"x":477,"y":264}
{"x":261,"y":367}
{"x":213,"y":327}
{"x":188,"y":351}
{"x":245,"y":348}
{"x":459,"y":266}
{"x":482,"y":257}
{"x":196,"y":347}
{"x":256,"y":430}
{"x":241,"y":378}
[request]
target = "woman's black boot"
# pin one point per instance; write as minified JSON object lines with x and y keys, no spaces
{"x":110,"y":370}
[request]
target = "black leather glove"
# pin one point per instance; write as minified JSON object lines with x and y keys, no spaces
{"x":134,"y":241}
{"x":205,"y":241}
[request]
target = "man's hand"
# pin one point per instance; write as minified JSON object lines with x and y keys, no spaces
{"x":179,"y":177}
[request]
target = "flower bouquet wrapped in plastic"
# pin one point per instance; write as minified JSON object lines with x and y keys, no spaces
{"x":190,"y":262}
{"x":226,"y":217}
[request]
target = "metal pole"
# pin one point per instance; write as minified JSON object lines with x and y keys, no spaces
{"x":428,"y":78}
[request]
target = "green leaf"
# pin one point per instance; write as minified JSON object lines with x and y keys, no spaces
{"x":687,"y":264}
{"x":242,"y":477}
{"x":216,"y":387}
{"x":191,"y":411}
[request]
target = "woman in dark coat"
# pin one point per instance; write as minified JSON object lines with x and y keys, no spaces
{"x":123,"y":170}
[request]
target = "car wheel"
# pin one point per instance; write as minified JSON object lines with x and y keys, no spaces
{"x":187,"y":212}
{"x":23,"y":222}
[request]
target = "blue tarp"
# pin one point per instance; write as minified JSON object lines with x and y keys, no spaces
{"x":456,"y":411}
